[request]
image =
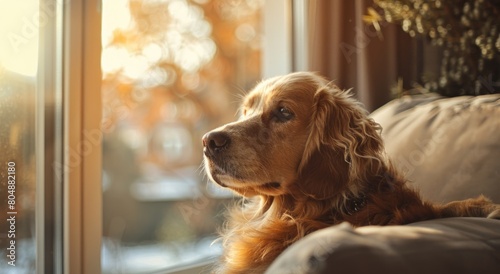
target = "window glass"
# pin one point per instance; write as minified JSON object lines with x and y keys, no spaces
{"x":172,"y":70}
{"x":18,"y":73}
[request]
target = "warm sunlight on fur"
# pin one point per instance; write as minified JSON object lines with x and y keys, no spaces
{"x":306,"y":156}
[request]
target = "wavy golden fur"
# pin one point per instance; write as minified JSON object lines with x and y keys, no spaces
{"x":306,"y":156}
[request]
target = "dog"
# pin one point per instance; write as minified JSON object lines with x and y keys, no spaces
{"x":305,"y":156}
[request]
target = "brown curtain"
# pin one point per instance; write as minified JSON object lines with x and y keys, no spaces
{"x":350,"y":51}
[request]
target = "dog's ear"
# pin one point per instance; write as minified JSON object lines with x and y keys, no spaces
{"x":344,"y":147}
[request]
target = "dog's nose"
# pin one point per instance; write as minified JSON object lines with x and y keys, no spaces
{"x":216,"y":140}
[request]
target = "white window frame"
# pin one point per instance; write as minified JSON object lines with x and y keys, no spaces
{"x":82,"y":123}
{"x":287,"y":37}
{"x":277,"y":48}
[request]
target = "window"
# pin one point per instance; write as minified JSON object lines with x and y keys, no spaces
{"x":18,"y":85}
{"x":172,"y":71}
{"x":105,"y":148}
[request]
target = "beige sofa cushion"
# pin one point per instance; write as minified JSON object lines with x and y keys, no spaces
{"x":442,"y":246}
{"x":449,"y":148}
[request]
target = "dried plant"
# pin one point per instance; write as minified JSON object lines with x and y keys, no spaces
{"x":466,"y":30}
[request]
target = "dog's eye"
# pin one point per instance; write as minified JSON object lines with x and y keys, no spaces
{"x":283,"y":114}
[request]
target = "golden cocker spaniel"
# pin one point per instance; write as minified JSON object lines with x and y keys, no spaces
{"x":306,"y":156}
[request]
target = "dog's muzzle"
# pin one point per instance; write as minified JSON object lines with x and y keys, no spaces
{"x":214,"y":143}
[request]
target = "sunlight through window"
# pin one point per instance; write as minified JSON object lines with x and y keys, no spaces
{"x":21,"y":22}
{"x":172,"y":70}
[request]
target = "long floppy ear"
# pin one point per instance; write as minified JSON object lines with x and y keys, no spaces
{"x":344,"y":148}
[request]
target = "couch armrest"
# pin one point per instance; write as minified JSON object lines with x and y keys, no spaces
{"x":448,"y":148}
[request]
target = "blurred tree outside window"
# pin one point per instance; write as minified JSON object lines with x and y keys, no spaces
{"x":172,"y":70}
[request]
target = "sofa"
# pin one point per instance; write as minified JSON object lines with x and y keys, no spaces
{"x":449,"y":149}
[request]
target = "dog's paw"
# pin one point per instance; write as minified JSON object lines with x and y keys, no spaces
{"x":495,"y":214}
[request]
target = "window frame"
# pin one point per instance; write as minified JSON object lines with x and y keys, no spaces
{"x":68,"y":120}
{"x":82,"y":154}
{"x":278,"y":50}
{"x":48,"y":145}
